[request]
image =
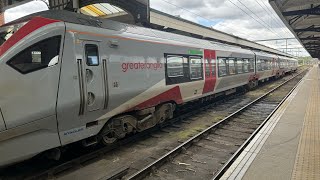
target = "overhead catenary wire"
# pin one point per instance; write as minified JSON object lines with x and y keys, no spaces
{"x":246,"y":35}
{"x":276,"y":18}
{"x":272,"y":17}
{"x":261,"y":23}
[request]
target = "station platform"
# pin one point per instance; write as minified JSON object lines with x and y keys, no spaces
{"x":288,"y":146}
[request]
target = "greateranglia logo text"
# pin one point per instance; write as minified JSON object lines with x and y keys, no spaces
{"x":140,"y":66}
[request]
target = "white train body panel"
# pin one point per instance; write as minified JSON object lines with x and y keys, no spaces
{"x":80,"y":72}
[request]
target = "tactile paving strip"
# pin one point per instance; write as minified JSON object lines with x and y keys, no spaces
{"x":307,"y":163}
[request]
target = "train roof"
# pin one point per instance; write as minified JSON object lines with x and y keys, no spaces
{"x":71,"y":17}
{"x":76,"y":18}
{"x":264,"y":54}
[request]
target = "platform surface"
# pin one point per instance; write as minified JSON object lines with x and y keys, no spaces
{"x":288,"y":146}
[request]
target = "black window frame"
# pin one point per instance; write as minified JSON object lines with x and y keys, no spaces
{"x":236,"y":59}
{"x":226,"y":66}
{"x":182,"y":65}
{"x":9,"y":62}
{"x":186,"y":69}
{"x":201,"y":67}
{"x":234,"y":65}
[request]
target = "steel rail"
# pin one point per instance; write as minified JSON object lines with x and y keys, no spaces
{"x":170,"y":155}
{"x":226,"y":166}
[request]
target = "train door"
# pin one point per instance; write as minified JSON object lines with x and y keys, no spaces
{"x":92,"y":77}
{"x":210,"y":70}
{"x":82,"y":96}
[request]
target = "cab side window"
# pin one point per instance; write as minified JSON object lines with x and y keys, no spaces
{"x":38,"y":56}
{"x":92,"y":55}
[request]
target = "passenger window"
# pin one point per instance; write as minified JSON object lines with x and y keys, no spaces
{"x":92,"y":55}
{"x":259,"y":66}
{"x":213,"y":70}
{"x":269,"y":64}
{"x":222,"y":67}
{"x":195,"y":68}
{"x":251,"y":61}
{"x":213,"y":67}
{"x":231,"y":65}
{"x":208,"y":62}
{"x":246,"y":65}
{"x":263,"y":65}
{"x":37,"y":56}
{"x":175,"y":66}
{"x":239,"y":66}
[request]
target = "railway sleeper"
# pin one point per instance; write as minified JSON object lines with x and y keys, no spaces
{"x":238,"y":129}
{"x":222,"y":141}
{"x":231,"y":134}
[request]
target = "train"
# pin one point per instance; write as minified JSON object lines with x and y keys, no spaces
{"x":67,"y":77}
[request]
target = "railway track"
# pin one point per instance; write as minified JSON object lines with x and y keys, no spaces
{"x":208,"y":154}
{"x":79,"y":160}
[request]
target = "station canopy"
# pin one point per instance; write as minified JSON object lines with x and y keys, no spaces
{"x":106,"y":10}
{"x":133,"y":11}
{"x":302,"y":17}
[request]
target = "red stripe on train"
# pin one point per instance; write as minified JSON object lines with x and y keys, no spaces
{"x":173,"y":94}
{"x":210,"y":81}
{"x":34,"y":24}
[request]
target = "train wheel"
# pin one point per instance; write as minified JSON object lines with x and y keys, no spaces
{"x":117,"y":128}
{"x":108,"y":136}
{"x":251,"y":85}
{"x":164,"y":112}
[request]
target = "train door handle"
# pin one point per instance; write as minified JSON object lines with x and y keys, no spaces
{"x":105,"y":83}
{"x":81,"y":87}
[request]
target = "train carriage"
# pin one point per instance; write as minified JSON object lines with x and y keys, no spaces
{"x":66,"y":77}
{"x":235,"y":68}
{"x":266,"y":66}
{"x":284,"y":64}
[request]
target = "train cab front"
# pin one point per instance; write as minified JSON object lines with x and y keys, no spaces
{"x":30,"y":55}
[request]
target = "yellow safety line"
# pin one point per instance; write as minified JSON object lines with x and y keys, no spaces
{"x":307,"y":163}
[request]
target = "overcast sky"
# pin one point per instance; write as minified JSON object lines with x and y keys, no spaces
{"x":249,"y":19}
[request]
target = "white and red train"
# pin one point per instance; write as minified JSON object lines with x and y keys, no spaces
{"x":67,"y":77}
